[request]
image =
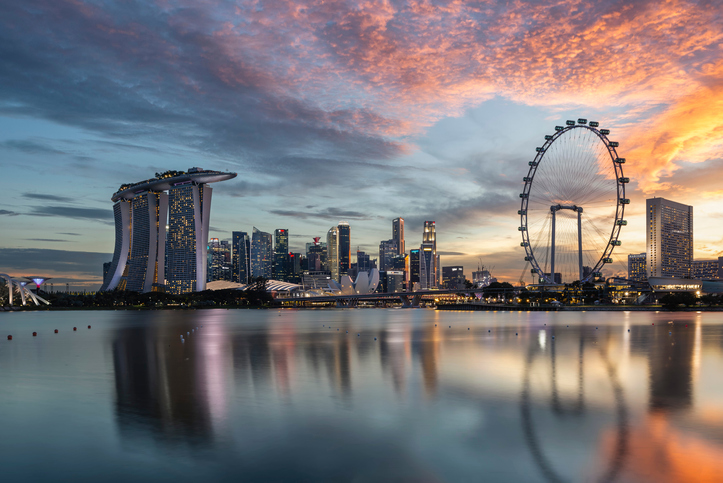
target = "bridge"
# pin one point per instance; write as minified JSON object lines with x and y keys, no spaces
{"x":407,"y":299}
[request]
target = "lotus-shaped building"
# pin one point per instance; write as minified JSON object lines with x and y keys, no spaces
{"x":366,"y":283}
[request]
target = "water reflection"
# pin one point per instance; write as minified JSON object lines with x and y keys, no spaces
{"x":627,"y":396}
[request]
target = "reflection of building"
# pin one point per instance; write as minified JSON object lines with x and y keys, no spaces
{"x":241,"y":249}
{"x":262,"y":254}
{"x":669,"y":237}
{"x":670,"y":363}
{"x":637,"y":269}
{"x":706,"y":269}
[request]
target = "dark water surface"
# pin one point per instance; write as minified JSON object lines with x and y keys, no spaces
{"x":277,"y":395}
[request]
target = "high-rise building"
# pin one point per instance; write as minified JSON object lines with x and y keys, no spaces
{"x":344,"y":247}
{"x":392,"y":281}
{"x":316,"y":254}
{"x":106,"y":270}
{"x":706,"y":269}
{"x":427,"y":261}
{"x":364,"y":262}
{"x":398,"y":234}
{"x":669,"y":237}
{"x":453,"y":277}
{"x":219,"y":260}
{"x":262,"y":254}
{"x":413,"y":268}
{"x":281,"y":255}
{"x":148,"y":244}
{"x":332,"y":252}
{"x":637,"y":270}
{"x":145,"y":247}
{"x":429,"y":240}
{"x":241,"y":254}
{"x":387,"y":251}
{"x":295,"y":267}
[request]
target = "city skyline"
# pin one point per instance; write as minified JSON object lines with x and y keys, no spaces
{"x":366,"y":114}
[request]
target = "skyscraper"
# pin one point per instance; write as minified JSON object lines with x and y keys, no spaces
{"x":429,"y":255}
{"x":636,"y":267}
{"x":669,"y":237}
{"x":413,"y":268}
{"x":219,"y":260}
{"x":241,"y":255}
{"x":398,"y":234}
{"x":281,"y":255}
{"x":316,"y":255}
{"x":190,"y":208}
{"x":332,"y":252}
{"x":344,"y":247}
{"x":387,"y":251}
{"x":141,"y":210}
{"x":262,"y":254}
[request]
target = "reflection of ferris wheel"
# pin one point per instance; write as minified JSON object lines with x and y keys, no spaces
{"x":574,"y":190}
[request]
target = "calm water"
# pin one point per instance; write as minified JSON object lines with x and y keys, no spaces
{"x":277,"y":395}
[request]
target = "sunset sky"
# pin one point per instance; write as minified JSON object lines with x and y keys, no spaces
{"x":345,"y":110}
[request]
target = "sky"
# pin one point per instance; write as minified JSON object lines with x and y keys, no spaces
{"x":361,"y":111}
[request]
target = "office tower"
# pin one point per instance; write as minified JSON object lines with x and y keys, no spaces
{"x":148,"y":242}
{"x":344,"y":247}
{"x":219,"y":260}
{"x":316,"y":254}
{"x":705,"y":269}
{"x":241,"y":255}
{"x":413,"y":268}
{"x":262,"y":254}
{"x":392,"y":281}
{"x":669,"y":238}
{"x":427,"y":260}
{"x":140,"y":259}
{"x":429,"y":239}
{"x":363,"y":262}
{"x":398,"y":234}
{"x":438,"y":268}
{"x":294,"y":267}
{"x":281,"y":255}
{"x":387,"y":250}
{"x":637,"y":270}
{"x":453,"y":277}
{"x":332,"y":252}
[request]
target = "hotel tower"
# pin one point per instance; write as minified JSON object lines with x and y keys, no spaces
{"x":181,"y":200}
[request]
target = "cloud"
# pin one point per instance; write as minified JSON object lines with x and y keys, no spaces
{"x":451,"y":254}
{"x":8,"y":213}
{"x":69,"y":234}
{"x":46,"y":197}
{"x":84,"y":266}
{"x":46,"y":239}
{"x":105,"y":215}
{"x":327,"y":214}
{"x":29,"y":147}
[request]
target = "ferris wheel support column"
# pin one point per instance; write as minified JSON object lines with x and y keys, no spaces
{"x":579,"y":239}
{"x":552,"y":246}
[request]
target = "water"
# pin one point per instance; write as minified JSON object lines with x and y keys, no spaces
{"x":278,"y":395}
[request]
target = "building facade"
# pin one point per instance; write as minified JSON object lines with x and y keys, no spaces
{"x":453,"y":277}
{"x":344,"y":247}
{"x":398,"y":234}
{"x":241,"y":256}
{"x":414,"y":273}
{"x":332,"y":252}
{"x":637,"y":268}
{"x":669,"y":237}
{"x":281,"y":255}
{"x":387,"y":251}
{"x":706,"y":269}
{"x":262,"y":254}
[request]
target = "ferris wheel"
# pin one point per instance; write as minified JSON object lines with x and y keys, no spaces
{"x":573,"y":203}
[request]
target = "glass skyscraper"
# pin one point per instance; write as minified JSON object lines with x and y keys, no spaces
{"x":413,"y":268}
{"x":262,"y":254}
{"x":669,"y":237}
{"x":241,"y":255}
{"x":429,"y":257}
{"x":146,"y":263}
{"x":332,"y":252}
{"x":398,"y":234}
{"x":344,"y":248}
{"x":281,"y":255}
{"x":387,"y":251}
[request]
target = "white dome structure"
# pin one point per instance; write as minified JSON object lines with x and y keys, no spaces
{"x":366,"y":283}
